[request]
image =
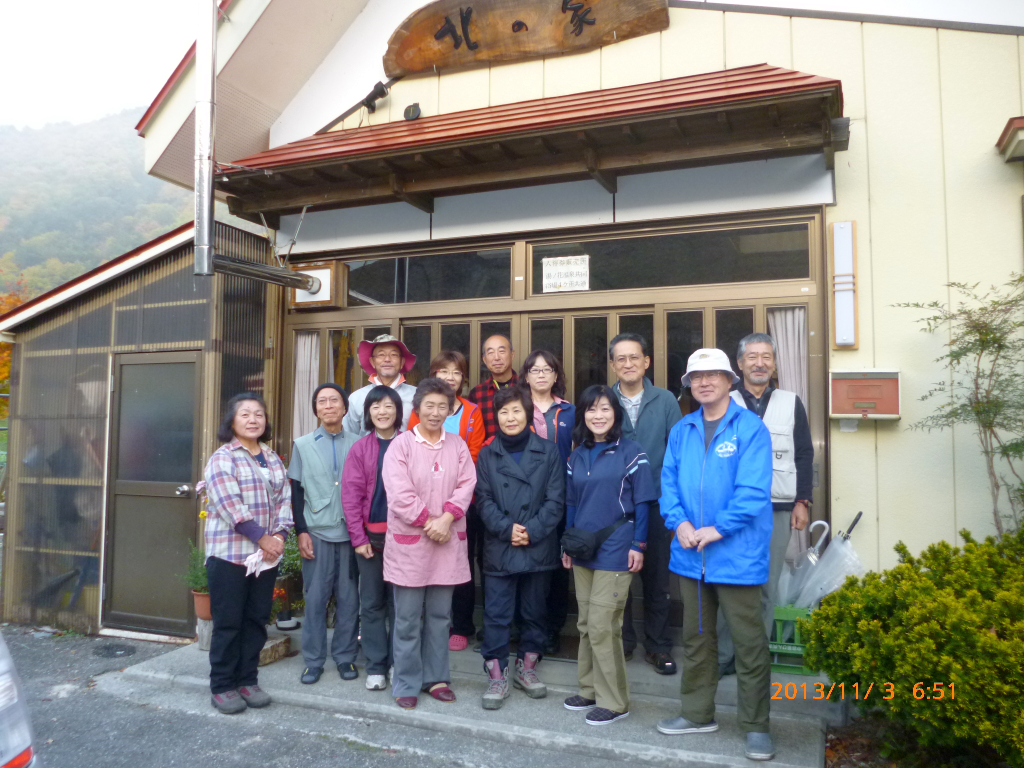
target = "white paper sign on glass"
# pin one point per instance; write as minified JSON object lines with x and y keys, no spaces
{"x":566,"y":273}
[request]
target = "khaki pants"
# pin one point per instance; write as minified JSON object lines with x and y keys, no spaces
{"x":741,"y":606}
{"x":601,"y":596}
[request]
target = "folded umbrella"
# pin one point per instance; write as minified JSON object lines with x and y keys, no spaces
{"x":805,"y":565}
{"x":838,"y":563}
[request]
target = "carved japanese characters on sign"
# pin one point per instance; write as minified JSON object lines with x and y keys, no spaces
{"x":449,"y":34}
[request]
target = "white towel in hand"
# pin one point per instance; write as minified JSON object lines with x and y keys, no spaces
{"x":255,"y":564}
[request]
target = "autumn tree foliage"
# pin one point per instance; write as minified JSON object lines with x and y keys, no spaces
{"x":14,"y":297}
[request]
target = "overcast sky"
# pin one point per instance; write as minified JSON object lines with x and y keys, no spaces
{"x":79,"y":60}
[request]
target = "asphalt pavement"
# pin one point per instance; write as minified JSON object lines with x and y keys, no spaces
{"x":85,"y":717}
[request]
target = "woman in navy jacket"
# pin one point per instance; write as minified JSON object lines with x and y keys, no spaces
{"x":609,"y":480}
{"x":553,"y":419}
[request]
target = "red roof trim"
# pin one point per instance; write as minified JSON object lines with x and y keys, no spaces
{"x":1012,"y":125}
{"x":553,"y":113}
{"x":97,"y":270}
{"x":171,"y":82}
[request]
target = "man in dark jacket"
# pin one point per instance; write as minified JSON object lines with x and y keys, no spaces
{"x":650,"y":414}
{"x":520,"y":494}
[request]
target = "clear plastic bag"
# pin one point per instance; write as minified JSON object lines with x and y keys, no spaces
{"x":839,"y":561}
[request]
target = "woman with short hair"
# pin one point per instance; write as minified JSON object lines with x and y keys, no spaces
{"x":248,"y":510}
{"x":467,"y":422}
{"x":608,"y":492}
{"x":430,"y":478}
{"x":520,"y":494}
{"x":365,"y":500}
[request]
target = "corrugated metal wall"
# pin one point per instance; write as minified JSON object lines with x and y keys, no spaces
{"x":60,"y":380}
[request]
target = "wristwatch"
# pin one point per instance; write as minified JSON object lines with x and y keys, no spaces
{"x":640,"y":545}
{"x":806,"y":502}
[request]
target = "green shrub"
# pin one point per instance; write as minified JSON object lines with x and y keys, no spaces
{"x":952,"y":616}
{"x":291,"y":560}
{"x":195,"y":577}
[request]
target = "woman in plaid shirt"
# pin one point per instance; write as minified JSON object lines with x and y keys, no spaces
{"x":249,"y":509}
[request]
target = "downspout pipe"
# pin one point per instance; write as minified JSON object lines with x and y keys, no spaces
{"x":206,"y":261}
{"x":206,"y":82}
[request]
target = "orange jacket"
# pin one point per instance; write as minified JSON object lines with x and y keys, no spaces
{"x":471,"y":426}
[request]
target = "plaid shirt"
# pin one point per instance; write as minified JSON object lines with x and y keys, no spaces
{"x":483,"y":395}
{"x":235,"y":492}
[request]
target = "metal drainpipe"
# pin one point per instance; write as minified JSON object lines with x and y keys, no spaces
{"x":206,"y":81}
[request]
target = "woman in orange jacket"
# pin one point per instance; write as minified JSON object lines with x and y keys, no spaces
{"x":468,"y":423}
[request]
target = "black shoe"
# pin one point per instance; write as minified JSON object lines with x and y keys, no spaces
{"x":310,"y":675}
{"x":663,"y":663}
{"x":348,"y":671}
{"x":729,"y":668}
{"x":602,"y":716}
{"x":578,"y":703}
{"x":552,"y":644}
{"x":628,"y":654}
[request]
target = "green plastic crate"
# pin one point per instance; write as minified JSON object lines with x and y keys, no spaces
{"x":789,"y":657}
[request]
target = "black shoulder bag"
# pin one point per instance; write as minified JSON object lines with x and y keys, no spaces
{"x":583,"y":545}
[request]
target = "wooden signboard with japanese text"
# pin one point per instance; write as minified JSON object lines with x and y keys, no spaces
{"x":448,"y":34}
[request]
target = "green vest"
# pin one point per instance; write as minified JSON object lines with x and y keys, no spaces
{"x":323,"y":508}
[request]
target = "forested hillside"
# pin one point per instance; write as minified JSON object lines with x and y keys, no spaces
{"x":73,"y":196}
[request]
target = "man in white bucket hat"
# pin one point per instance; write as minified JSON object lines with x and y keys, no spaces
{"x":716,"y":496}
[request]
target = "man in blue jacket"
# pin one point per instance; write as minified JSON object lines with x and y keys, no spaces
{"x":716,"y":496}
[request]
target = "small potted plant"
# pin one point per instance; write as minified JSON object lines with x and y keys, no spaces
{"x":195,"y":579}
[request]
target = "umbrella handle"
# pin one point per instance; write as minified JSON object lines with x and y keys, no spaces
{"x":852,"y":526}
{"x":822,"y":538}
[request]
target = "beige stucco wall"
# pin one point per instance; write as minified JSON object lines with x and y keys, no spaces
{"x":932,"y":200}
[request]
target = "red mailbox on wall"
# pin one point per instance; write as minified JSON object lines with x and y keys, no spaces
{"x":865,"y":394}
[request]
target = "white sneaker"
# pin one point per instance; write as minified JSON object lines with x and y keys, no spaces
{"x":376,"y":683}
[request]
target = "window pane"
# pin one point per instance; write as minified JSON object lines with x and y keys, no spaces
{"x":493,"y":328}
{"x":438,"y":277}
{"x":547,"y":334}
{"x":417,"y":339}
{"x":688,"y":258}
{"x":642,"y":325}
{"x":731,"y":325}
{"x":590,"y":350}
{"x":369,"y":334}
{"x":456,"y":337}
{"x":685,"y":335}
{"x":157,"y":419}
{"x":344,"y":360}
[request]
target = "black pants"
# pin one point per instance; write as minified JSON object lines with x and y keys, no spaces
{"x":499,"y":606}
{"x":558,"y":594}
{"x":464,"y":596}
{"x":654,"y":578}
{"x":240,"y":606}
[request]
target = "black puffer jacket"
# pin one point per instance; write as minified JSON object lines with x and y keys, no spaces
{"x":531,"y":493}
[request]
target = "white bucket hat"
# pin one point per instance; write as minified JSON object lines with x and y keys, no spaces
{"x":709,"y":360}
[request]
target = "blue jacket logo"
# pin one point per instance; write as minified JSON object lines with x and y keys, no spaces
{"x":725,"y":450}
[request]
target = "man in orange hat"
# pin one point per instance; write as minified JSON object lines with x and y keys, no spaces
{"x":386,"y":360}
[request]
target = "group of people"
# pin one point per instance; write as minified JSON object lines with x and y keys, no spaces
{"x":401,"y":491}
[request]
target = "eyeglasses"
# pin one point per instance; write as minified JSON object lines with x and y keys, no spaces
{"x":623,"y":359}
{"x":541,"y":371}
{"x":699,"y":376}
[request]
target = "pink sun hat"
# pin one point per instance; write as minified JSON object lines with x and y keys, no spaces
{"x":366,"y":352}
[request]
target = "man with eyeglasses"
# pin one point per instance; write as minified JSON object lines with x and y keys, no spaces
{"x":792,"y":468}
{"x":716,"y":496}
{"x":385,"y":360}
{"x":651,"y":412}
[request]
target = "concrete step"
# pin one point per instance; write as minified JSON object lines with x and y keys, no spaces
{"x":541,"y":723}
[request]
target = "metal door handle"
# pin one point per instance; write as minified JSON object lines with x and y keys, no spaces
{"x":182,"y":490}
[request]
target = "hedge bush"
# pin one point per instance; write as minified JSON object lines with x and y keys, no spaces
{"x":952,"y":616}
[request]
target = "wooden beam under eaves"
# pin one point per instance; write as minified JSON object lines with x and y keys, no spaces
{"x":418,"y":200}
{"x":604,"y":178}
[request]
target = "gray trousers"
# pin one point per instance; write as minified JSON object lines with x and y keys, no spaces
{"x":376,"y":614}
{"x":420,"y":645}
{"x":330,"y":572}
{"x":781,"y":533}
